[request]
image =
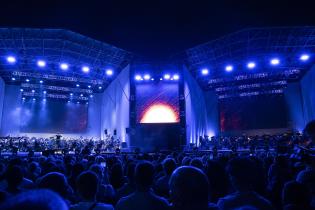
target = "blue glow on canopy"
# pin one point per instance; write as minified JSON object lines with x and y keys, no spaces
{"x":64,"y":66}
{"x":304,"y":57}
{"x":205,"y":71}
{"x":251,"y":65}
{"x":229,"y":68}
{"x":275,"y":61}
{"x":41,"y":63}
{"x":11,"y":59}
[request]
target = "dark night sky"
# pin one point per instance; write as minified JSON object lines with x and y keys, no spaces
{"x":155,"y":28}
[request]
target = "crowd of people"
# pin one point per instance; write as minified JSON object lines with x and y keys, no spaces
{"x":283,"y":179}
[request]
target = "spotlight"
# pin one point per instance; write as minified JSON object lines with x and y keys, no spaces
{"x":78,"y":102}
{"x":167,"y":76}
{"x":152,"y":79}
{"x":81,"y":95}
{"x":146,"y":76}
{"x":275,"y":61}
{"x":41,"y":82}
{"x":71,"y":94}
{"x":87,"y":103}
{"x":176,"y":77}
{"x":27,"y":80}
{"x":44,"y":91}
{"x":204,"y":71}
{"x":13,"y":79}
{"x":44,"y":99}
{"x":304,"y":57}
{"x":64,"y":66}
{"x":229,"y":68}
{"x":41,"y":63}
{"x":68,"y":101}
{"x":251,"y":65}
{"x":33,"y":91}
{"x":161,"y":79}
{"x":11,"y":59}
{"x":23,"y":98}
{"x":85,"y":69}
{"x":100,"y":87}
{"x":34,"y":99}
{"x":89,"y":86}
{"x":109,"y":72}
{"x":77,"y":85}
{"x":91,"y":96}
{"x":21,"y":90}
{"x":138,"y":77}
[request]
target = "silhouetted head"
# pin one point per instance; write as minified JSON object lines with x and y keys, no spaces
{"x":35,"y":200}
{"x":14,"y":176}
{"x":309,"y":130}
{"x":169,"y":165}
{"x":56,"y":182}
{"x":189,"y":188}
{"x":144,"y":175}
{"x":87,"y":185}
{"x":295,"y":193}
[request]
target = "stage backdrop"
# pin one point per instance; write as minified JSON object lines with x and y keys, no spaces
{"x":201,"y":110}
{"x":115,"y":106}
{"x":308,"y":95}
{"x":16,"y":114}
{"x":2,"y":85}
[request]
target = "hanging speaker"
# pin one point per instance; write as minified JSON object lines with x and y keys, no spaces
{"x":115,"y":132}
{"x":105,"y":131}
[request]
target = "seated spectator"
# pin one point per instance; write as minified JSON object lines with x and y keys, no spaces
{"x":34,"y":171}
{"x":189,"y":189}
{"x":162,"y":184}
{"x":307,"y":177}
{"x":117,"y":178}
{"x":87,"y":187}
{"x":242,"y":176}
{"x":143,"y":198}
{"x":35,"y":200}
{"x":14,"y":177}
{"x":196,"y":162}
{"x":130,"y":186}
{"x":296,"y":196}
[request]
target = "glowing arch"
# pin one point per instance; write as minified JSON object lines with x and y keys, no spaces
{"x":159,"y":113}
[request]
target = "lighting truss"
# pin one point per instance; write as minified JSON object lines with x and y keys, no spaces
{"x":56,"y":88}
{"x":252,"y":93}
{"x":56,"y":96}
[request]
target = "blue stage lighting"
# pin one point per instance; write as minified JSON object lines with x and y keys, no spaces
{"x":71,"y":94}
{"x":152,"y":79}
{"x":64,"y":66}
{"x":161,"y":79}
{"x":11,"y":59}
{"x":251,"y":65}
{"x":41,"y":82}
{"x":27,"y":80}
{"x":34,"y":99}
{"x":275,"y":61}
{"x":81,"y":95}
{"x":44,"y":99}
{"x":176,"y":77}
{"x":167,"y":76}
{"x":304,"y":57}
{"x":33,"y":91}
{"x":85,"y":69}
{"x":44,"y":91}
{"x":205,"y":71}
{"x":91,"y":96}
{"x":21,"y":90}
{"x":138,"y":77}
{"x":41,"y":63}
{"x":146,"y":77}
{"x":23,"y":98}
{"x":68,"y":101}
{"x":100,"y":87}
{"x":78,"y":102}
{"x":13,"y":79}
{"x":89,"y":86}
{"x":109,"y":72}
{"x":87,"y":103}
{"x":77,"y":85}
{"x":229,"y":68}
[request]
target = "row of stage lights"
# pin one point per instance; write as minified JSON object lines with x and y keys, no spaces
{"x":147,"y":77}
{"x":45,"y":92}
{"x":252,"y":65}
{"x":63,"y":66}
{"x":44,"y":100}
{"x":41,"y":82}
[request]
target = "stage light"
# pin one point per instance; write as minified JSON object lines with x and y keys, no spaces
{"x":204,"y":71}
{"x":304,"y":57}
{"x":85,"y":69}
{"x":87,"y":103}
{"x":11,"y":59}
{"x":77,"y":85}
{"x":44,"y":91}
{"x":23,"y":98}
{"x":146,"y":76}
{"x":41,"y":82}
{"x":109,"y":72}
{"x":100,"y":87}
{"x":71,"y":94}
{"x":33,"y":91}
{"x":68,"y":101}
{"x":27,"y":80}
{"x":161,"y":79}
{"x":138,"y":77}
{"x":275,"y":61}
{"x":229,"y":68}
{"x":44,"y":99}
{"x":34,"y":99}
{"x":152,"y":79}
{"x":81,"y":95}
{"x":13,"y":79}
{"x":176,"y":77}
{"x":91,"y":96}
{"x":78,"y":102}
{"x":21,"y":90}
{"x":89,"y":86}
{"x":167,"y":76}
{"x":64,"y":66}
{"x":41,"y":63}
{"x":251,"y":65}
